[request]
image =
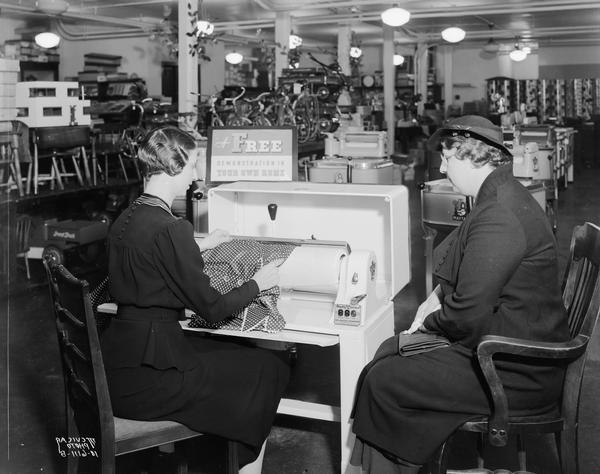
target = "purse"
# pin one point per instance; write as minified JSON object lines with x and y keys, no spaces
{"x":419,"y":342}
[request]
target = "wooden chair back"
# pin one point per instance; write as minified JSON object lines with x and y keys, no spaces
{"x":22,"y":233}
{"x":62,"y":138}
{"x":88,"y":407}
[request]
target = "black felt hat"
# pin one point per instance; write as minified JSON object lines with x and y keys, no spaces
{"x":470,"y":126}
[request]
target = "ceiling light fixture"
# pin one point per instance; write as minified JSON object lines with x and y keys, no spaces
{"x":517,"y":54}
{"x":234,"y":57}
{"x":47,"y":39}
{"x":526,"y":49}
{"x":355,"y":52}
{"x":492,"y":46}
{"x":453,"y":34}
{"x":395,"y":16}
{"x":294,"y":41}
{"x":52,"y":7}
{"x":398,"y":59}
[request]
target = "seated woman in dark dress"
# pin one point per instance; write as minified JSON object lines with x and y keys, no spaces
{"x":498,"y":274}
{"x":156,"y":372}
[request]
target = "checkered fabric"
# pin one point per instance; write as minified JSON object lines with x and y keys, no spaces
{"x":231,"y":264}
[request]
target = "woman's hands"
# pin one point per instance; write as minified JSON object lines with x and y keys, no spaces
{"x":267,"y":276}
{"x":216,"y":237}
{"x":431,"y":304}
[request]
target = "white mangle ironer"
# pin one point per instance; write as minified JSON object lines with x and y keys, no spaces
{"x":354,"y":244}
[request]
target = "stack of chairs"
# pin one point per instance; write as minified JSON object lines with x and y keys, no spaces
{"x":65,"y":148}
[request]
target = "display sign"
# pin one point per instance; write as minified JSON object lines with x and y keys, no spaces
{"x":251,"y":154}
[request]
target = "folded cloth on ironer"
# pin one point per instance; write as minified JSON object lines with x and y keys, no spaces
{"x":419,"y":342}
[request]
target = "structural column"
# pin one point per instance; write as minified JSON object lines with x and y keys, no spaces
{"x":283,"y":27}
{"x":448,"y":78}
{"x":343,"y":48}
{"x":422,"y":56}
{"x":187,"y":64}
{"x":389,"y":84}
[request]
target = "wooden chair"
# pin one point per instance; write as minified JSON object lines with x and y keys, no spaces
{"x":22,"y":233}
{"x":58,"y":144}
{"x":581,"y":296}
{"x":88,"y":407}
{"x":107,"y":144}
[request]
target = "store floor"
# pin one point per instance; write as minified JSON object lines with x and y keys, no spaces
{"x":31,"y":413}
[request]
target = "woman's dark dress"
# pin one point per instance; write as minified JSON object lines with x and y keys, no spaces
{"x":154,"y":370}
{"x":499,"y":275}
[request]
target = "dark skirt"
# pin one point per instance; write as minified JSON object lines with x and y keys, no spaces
{"x":233,"y":392}
{"x":408,"y":406}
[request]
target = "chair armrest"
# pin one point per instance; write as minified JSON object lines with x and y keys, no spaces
{"x":491,"y":345}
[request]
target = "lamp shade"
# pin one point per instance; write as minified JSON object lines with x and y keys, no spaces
{"x":234,"y":57}
{"x":453,"y":34}
{"x":47,"y":39}
{"x":52,"y":7}
{"x":395,"y":16}
{"x":492,"y":46}
{"x":517,"y":55}
{"x":398,"y":59}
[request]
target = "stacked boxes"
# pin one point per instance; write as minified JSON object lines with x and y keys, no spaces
{"x":51,"y":104}
{"x":9,"y":75}
{"x":26,"y":50}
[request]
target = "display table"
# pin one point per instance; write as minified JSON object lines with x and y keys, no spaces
{"x":357,"y":345}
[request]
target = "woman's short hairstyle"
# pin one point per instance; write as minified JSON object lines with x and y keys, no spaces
{"x":165,"y":150}
{"x":479,"y":152}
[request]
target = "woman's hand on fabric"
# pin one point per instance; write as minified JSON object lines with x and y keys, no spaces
{"x":215,"y":238}
{"x":267,"y":276}
{"x":431,"y":304}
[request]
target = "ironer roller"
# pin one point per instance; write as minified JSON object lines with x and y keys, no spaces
{"x":328,"y":271}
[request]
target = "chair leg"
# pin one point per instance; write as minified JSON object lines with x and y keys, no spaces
{"x":29,"y":179}
{"x":480,"y":444}
{"x":86,"y":167}
{"x":181,"y":459}
{"x":439,"y":462}
{"x":77,"y":171}
{"x":123,"y":168}
{"x":36,"y":170}
{"x":27,"y":266}
{"x":232,"y":465}
{"x":568,"y":451}
{"x":56,"y":171}
{"x":522,"y":455}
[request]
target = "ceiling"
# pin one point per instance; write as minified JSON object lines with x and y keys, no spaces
{"x":544,"y":22}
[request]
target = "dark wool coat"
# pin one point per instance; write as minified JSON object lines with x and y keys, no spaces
{"x":157,"y":372}
{"x":499,"y":275}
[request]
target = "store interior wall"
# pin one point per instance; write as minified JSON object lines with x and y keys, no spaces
{"x":471,"y":67}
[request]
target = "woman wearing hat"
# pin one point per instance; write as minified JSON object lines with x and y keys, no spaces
{"x":498,"y":274}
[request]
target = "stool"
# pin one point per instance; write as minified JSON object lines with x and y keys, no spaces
{"x":57,"y":144}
